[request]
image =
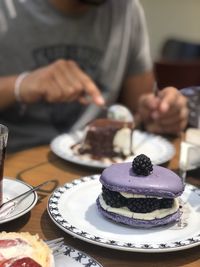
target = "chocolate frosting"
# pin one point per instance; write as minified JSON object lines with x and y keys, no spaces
{"x":162,"y":182}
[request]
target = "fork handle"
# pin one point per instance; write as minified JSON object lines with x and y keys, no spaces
{"x":25,"y":193}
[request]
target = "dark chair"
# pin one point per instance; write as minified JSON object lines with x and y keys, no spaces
{"x":179,"y":74}
{"x":178,"y":49}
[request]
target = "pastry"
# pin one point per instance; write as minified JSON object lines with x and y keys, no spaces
{"x":24,"y":250}
{"x":140,"y":194}
{"x":107,"y":138}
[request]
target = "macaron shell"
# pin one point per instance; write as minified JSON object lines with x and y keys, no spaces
{"x":139,"y":223}
{"x":162,"y":182}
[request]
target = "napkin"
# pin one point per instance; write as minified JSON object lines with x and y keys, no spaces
{"x":190,"y":150}
{"x":192,"y":136}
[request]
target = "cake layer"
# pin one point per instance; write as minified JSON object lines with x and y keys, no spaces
{"x":161,"y":182}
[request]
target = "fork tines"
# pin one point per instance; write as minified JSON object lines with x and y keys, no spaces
{"x":56,"y":245}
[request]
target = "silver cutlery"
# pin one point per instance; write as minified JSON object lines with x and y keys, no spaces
{"x":56,"y":245}
{"x":13,"y":202}
{"x":155,"y":88}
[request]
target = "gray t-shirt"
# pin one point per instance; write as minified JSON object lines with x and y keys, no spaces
{"x":109,"y":42}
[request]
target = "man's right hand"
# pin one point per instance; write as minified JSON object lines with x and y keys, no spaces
{"x":61,"y":81}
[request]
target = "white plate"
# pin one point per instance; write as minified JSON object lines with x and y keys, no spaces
{"x":159,"y":149}
{"x":72,"y":207}
{"x":74,"y":258}
{"x":11,"y":189}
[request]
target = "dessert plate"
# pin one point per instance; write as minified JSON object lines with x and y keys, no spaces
{"x":74,"y":258}
{"x":159,"y":149}
{"x":72,"y":207}
{"x":11,"y":189}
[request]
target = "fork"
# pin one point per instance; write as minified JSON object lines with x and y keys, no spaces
{"x":155,"y":88}
{"x":56,"y":245}
{"x":24,"y":194}
{"x":6,"y":208}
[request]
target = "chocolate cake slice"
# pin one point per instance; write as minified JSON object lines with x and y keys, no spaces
{"x":107,"y":138}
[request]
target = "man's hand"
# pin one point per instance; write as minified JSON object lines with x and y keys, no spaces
{"x":61,"y":81}
{"x":165,"y":114}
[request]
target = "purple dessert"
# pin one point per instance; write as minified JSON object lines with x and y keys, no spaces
{"x":140,"y":194}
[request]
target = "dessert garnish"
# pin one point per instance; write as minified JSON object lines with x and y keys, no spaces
{"x":142,"y":165}
{"x":113,"y":199}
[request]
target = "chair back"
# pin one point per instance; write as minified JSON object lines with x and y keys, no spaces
{"x":179,"y":74}
{"x":178,"y":49}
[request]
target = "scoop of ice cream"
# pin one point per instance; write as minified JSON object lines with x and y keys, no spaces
{"x":120,"y":112}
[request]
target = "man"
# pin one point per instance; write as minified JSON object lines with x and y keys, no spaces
{"x":61,"y":60}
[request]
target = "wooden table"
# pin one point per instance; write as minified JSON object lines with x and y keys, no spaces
{"x":39,"y":164}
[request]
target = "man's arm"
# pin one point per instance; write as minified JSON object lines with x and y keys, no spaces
{"x":134,"y":87}
{"x":7,"y":96}
{"x":61,"y":81}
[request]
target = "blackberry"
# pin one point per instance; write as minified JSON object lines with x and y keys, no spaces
{"x":143,"y":205}
{"x":142,"y":165}
{"x":166,"y":203}
{"x":112,"y":198}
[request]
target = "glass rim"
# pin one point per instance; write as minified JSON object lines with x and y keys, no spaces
{"x":5,"y":130}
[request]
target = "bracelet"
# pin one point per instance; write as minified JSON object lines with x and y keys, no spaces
{"x":17,"y":85}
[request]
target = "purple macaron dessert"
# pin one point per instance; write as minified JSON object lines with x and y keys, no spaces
{"x":140,"y":194}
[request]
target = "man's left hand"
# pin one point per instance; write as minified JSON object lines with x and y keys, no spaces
{"x":166,"y":113}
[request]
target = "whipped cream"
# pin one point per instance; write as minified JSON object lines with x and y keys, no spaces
{"x":122,"y":141}
{"x":156,"y":214}
{"x":15,"y":251}
{"x":120,"y":112}
{"x":16,"y":246}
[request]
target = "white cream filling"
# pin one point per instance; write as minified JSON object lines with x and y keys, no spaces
{"x":122,"y":141}
{"x":15,"y":251}
{"x":23,"y":250}
{"x":156,"y":214}
{"x":129,"y":195}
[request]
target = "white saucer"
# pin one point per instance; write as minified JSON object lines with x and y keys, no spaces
{"x":11,"y":189}
{"x":159,"y":149}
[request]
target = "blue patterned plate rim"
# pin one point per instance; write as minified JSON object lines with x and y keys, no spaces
{"x":66,"y":226}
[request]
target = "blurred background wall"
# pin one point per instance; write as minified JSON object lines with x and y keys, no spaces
{"x":171,"y":18}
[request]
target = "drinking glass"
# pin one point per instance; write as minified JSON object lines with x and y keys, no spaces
{"x":3,"y":145}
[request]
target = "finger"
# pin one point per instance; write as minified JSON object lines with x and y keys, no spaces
{"x":89,"y":86}
{"x":178,"y":110}
{"x":52,"y":92}
{"x":148,"y":103}
{"x":84,"y":100}
{"x":67,"y":81}
{"x":169,"y":126}
{"x":171,"y":101}
{"x":181,"y":119}
{"x":61,"y":88}
{"x":168,"y":98}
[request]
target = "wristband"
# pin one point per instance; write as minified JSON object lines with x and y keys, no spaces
{"x":17,"y":85}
